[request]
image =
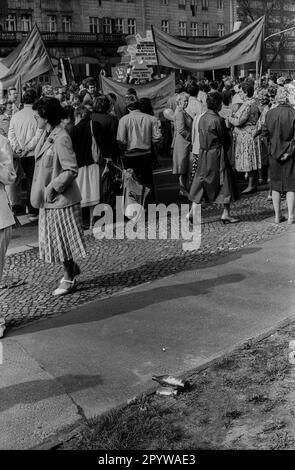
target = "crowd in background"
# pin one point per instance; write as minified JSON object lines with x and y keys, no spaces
{"x":66,"y":144}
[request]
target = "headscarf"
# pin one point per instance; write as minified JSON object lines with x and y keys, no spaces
{"x":282,"y":96}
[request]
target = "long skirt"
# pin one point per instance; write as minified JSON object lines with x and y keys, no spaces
{"x":88,"y":180}
{"x":247,"y":156}
{"x":61,"y":235}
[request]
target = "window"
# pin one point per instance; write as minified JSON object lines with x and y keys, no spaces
{"x":94,"y":24}
{"x":107,"y":26}
{"x":26,"y":22}
{"x":11,"y":22}
{"x":67,"y":24}
{"x":182,"y":28}
{"x":164,"y":2}
{"x":220,"y":4}
{"x":51,"y":22}
{"x":165,"y":26}
{"x":194,"y":29}
{"x":131,"y":26}
{"x":181,"y":4}
{"x":205,"y":4}
{"x":205,"y":29}
{"x":220,"y":29}
{"x":119,"y":24}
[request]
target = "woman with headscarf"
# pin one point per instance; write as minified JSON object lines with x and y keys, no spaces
{"x":264,"y":100}
{"x":182,"y":142}
{"x":279,"y":130}
{"x":213,"y":181}
{"x":247,"y":157}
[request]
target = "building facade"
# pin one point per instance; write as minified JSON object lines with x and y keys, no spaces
{"x":89,"y":32}
{"x":280,"y":15}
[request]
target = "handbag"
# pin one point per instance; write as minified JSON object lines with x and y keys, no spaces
{"x":96,"y":154}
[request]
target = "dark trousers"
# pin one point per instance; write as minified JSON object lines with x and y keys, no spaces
{"x":28,"y":165}
{"x":143,"y":167}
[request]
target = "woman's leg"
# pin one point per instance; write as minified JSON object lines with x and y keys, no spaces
{"x":91,"y":210}
{"x":291,"y":206}
{"x":251,"y":184}
{"x":69,"y":270}
{"x":276,"y":200}
{"x":226,"y":217}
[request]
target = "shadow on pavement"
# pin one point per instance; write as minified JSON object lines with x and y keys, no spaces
{"x":37,"y":390}
{"x":119,"y":305}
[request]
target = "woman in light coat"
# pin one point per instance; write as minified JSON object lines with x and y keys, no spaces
{"x":182,"y":141}
{"x":7,"y":177}
{"x":56,"y":193}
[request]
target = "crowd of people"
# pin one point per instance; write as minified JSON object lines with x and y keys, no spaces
{"x":221,"y":131}
{"x":60,"y":141}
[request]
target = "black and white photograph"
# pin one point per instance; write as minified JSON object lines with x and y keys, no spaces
{"x":147,"y":230}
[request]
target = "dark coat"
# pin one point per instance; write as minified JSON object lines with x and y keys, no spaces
{"x":213,"y":179}
{"x":279,"y":130}
{"x":109,"y":126}
{"x":82,"y":141}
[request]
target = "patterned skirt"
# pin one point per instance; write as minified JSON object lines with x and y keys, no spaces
{"x":61,"y":236}
{"x":247,"y":155}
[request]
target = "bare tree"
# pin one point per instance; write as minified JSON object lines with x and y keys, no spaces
{"x":277,"y":18}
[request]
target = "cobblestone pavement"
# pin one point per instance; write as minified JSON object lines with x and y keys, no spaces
{"x":114,"y":265}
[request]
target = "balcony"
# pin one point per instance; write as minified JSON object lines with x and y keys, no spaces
{"x":12,"y":39}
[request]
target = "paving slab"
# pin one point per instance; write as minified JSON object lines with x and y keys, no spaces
{"x":106,"y":352}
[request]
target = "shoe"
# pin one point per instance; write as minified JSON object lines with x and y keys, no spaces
{"x":65,"y":287}
{"x":76,"y":270}
{"x":18,"y":210}
{"x":269,"y":198}
{"x":291,"y":221}
{"x":33,"y":218}
{"x":281,"y":219}
{"x":229,"y":220}
{"x":249,"y":191}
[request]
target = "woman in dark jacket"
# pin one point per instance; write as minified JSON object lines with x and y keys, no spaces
{"x":108,"y":125}
{"x":213,"y":180}
{"x":279,"y":130}
{"x":88,"y":178}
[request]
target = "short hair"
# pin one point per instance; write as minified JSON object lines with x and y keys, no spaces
{"x":145,"y":106}
{"x":101,"y":104}
{"x":131,"y":91}
{"x":193,"y":89}
{"x":11,"y":88}
{"x":226,"y":98}
{"x":89,"y":81}
{"x":112,"y":96}
{"x":82,"y":111}
{"x":214,"y":100}
{"x":181,"y":96}
{"x":68,"y":112}
{"x":30,"y":96}
{"x":47,"y":90}
{"x":214,"y":85}
{"x":50,"y":109}
{"x":248,"y":89}
{"x":179,"y":88}
{"x":131,"y":102}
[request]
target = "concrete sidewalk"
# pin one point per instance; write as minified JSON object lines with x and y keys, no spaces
{"x":91,"y":359}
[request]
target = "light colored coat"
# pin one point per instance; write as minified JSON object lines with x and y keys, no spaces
{"x":54,"y":185}
{"x":181,"y":141}
{"x":7,"y":176}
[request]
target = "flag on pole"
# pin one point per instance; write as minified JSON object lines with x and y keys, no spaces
{"x":29,"y":60}
{"x":239,"y":47}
